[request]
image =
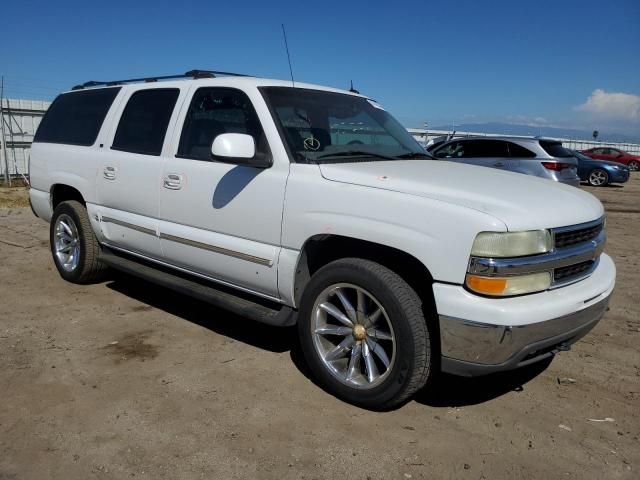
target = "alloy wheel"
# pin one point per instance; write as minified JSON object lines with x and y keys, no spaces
{"x":353,"y":336}
{"x":66,"y":243}
{"x":598,"y":178}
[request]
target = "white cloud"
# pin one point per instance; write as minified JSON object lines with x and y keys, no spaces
{"x":611,"y":105}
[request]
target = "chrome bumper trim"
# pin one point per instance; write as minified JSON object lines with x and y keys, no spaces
{"x":546,"y":262}
{"x":507,"y":346}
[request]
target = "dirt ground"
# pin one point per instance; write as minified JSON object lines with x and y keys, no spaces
{"x":126,"y":380}
{"x":13,"y":197}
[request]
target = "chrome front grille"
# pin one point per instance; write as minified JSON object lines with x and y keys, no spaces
{"x":564,"y":274}
{"x":567,"y":236}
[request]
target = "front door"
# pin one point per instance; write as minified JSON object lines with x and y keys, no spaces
{"x":221,"y":220}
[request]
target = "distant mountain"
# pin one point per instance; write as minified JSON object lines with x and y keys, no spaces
{"x":516,"y":129}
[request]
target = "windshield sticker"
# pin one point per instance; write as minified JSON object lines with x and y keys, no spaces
{"x":375,"y":104}
{"x":311,"y":143}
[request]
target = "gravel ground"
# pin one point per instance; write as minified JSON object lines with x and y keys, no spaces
{"x":127,"y":380}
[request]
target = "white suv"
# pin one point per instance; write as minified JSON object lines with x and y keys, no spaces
{"x":310,"y":205}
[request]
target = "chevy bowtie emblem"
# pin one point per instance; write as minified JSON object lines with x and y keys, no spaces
{"x":311,"y":143}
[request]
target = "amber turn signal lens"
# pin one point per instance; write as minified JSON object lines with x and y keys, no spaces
{"x":512,"y":285}
{"x":486,"y":285}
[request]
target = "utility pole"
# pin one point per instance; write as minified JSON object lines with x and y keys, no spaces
{"x":7,"y":177}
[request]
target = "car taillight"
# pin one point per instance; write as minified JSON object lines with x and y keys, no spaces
{"x":556,"y":166}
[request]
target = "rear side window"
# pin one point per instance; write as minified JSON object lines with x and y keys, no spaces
{"x":518,"y":151}
{"x":487,"y":148}
{"x":144,"y":122}
{"x":555,"y":149}
{"x":75,"y":118}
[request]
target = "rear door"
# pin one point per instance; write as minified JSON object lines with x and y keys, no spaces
{"x":130,"y":169}
{"x":222,"y":220}
{"x":614,"y":155}
{"x":600,"y":153}
{"x":521,"y":159}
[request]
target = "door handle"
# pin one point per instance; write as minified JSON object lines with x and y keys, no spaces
{"x":498,"y":164}
{"x":109,"y":173}
{"x":173,"y":181}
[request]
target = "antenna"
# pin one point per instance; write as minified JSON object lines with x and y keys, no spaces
{"x":353,"y":90}
{"x":286,"y":46}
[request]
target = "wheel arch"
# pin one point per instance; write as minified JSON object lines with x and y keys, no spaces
{"x":322,"y":249}
{"x":61,"y":192}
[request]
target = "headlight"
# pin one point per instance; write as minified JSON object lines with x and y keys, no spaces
{"x":506,"y":286}
{"x":511,"y":244}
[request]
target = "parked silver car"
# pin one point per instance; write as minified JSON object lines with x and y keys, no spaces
{"x":532,"y":156}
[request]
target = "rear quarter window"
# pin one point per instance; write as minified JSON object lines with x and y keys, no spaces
{"x":555,"y":149}
{"x":75,"y":118}
{"x":518,"y":151}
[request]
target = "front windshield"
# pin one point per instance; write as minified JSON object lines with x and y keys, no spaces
{"x":321,"y":126}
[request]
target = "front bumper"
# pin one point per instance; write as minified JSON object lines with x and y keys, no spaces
{"x":619,"y":176}
{"x":485,"y":335}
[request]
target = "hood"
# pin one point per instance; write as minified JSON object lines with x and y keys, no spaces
{"x":522,"y":202}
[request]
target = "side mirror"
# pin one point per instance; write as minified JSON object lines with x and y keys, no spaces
{"x":238,"y":148}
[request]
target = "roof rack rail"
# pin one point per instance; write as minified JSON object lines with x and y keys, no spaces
{"x":195,"y":74}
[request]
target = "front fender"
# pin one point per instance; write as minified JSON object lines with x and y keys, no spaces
{"x":437,"y":233}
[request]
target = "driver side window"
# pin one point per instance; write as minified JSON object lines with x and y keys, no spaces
{"x":452,"y":150}
{"x":214,"y":111}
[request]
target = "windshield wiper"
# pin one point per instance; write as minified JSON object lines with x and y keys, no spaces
{"x":355,"y":153}
{"x":410,"y":155}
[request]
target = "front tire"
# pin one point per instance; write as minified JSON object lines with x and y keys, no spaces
{"x":634,"y":165}
{"x":598,"y":177}
{"x":74,"y":246}
{"x":364,"y":334}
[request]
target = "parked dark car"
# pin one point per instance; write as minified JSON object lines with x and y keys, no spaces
{"x":599,"y":173}
{"x":614,"y":155}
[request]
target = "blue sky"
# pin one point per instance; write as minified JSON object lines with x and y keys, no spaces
{"x":559,"y":63}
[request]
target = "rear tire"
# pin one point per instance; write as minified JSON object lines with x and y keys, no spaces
{"x":74,"y":246}
{"x":634,"y":165}
{"x":377,"y":353}
{"x":598,"y":177}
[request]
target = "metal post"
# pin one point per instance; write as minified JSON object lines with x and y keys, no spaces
{"x":7,"y":177}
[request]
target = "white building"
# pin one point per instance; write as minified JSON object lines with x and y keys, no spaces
{"x":20,"y":120}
